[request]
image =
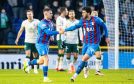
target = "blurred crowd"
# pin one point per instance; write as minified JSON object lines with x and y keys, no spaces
{"x":12,"y":13}
{"x":126,"y":22}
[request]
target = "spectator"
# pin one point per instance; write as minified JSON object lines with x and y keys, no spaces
{"x":3,"y":26}
{"x":35,"y":6}
{"x":18,"y":7}
{"x":4,"y":4}
{"x":102,"y":14}
{"x":132,"y":32}
{"x":124,"y":29}
{"x":68,"y":4}
{"x":79,"y":9}
{"x":92,"y":8}
{"x":16,"y":27}
{"x":29,"y":6}
{"x":55,"y":6}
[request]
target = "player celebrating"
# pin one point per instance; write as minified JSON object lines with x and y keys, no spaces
{"x":30,"y":26}
{"x":91,"y":26}
{"x":61,"y":23}
{"x":98,"y":56}
{"x":45,"y":31}
{"x":71,"y":41}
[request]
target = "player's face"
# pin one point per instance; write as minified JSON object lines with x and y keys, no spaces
{"x":94,"y":13}
{"x":84,"y":14}
{"x":50,"y":14}
{"x":29,"y":15}
{"x":71,"y":15}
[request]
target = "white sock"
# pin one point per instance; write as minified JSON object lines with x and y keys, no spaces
{"x":57,"y":62}
{"x":75,"y":75}
{"x":97,"y":64}
{"x":61,"y":63}
{"x":45,"y":78}
{"x":27,"y":60}
{"x":35,"y":67}
{"x":68,"y":63}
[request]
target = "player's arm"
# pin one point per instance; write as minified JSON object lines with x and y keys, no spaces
{"x":19,"y":33}
{"x":45,"y":29}
{"x":50,"y":33}
{"x":103,"y":25}
{"x":76,"y":26}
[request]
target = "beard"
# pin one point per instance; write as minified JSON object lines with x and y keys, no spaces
{"x":85,"y":17}
{"x":72,"y":17}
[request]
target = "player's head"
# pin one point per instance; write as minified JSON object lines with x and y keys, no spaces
{"x":29,"y":14}
{"x":94,"y":13}
{"x":86,"y":12}
{"x":71,"y":14}
{"x":47,"y":13}
{"x":63,"y":11}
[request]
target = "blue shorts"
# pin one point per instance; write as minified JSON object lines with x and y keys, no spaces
{"x":89,"y":49}
{"x":42,"y":49}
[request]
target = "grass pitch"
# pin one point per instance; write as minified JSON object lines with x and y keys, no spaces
{"x":111,"y":77}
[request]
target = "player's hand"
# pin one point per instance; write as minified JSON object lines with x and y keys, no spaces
{"x":61,"y":31}
{"x":108,"y":41}
{"x":51,"y":39}
{"x":16,"y":41}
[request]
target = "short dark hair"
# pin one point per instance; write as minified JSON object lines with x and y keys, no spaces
{"x":46,"y":9}
{"x":62,"y":9}
{"x":29,"y":10}
{"x":87,"y":9}
{"x":71,"y":11}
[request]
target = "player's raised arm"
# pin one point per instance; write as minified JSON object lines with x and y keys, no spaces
{"x":78,"y":25}
{"x":20,"y":33}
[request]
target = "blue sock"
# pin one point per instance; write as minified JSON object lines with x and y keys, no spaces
{"x":33,"y":62}
{"x":86,"y":64}
{"x":80,"y":67}
{"x":45,"y":70}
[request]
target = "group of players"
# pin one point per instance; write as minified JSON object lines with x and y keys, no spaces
{"x":38,"y":33}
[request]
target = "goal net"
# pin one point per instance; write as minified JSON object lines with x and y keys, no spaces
{"x":120,"y":22}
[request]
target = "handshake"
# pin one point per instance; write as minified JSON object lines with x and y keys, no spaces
{"x":61,"y":31}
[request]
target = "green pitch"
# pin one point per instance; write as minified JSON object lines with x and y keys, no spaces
{"x":110,"y":77}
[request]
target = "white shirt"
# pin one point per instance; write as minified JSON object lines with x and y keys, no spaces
{"x":30,"y":30}
{"x":72,"y":36}
{"x":60,"y":23}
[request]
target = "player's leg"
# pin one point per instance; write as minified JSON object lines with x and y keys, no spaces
{"x":80,"y":67}
{"x":59,"y":55}
{"x":43,"y":52}
{"x":98,"y":62}
{"x":57,"y":62}
{"x":75,"y":51}
{"x":90,"y":51}
{"x":34,"y":61}
{"x":27,"y":48}
{"x":61,"y":47}
{"x":45,"y":69}
{"x":61,"y":52}
{"x":35,"y":56}
{"x":86,"y":70}
{"x":42,"y":60}
{"x":82,"y":63}
{"x":68,"y":55}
